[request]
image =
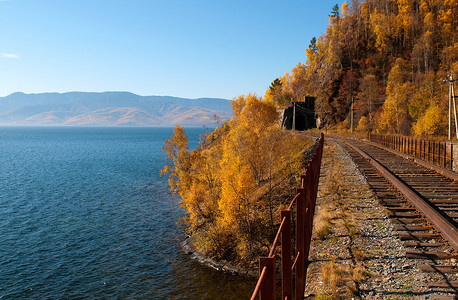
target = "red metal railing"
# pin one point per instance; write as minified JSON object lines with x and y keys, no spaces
{"x":305,"y":208}
{"x":438,"y":153}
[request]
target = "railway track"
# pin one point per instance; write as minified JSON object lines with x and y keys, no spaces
{"x":423,"y":208}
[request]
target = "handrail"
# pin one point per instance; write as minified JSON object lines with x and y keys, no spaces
{"x":305,"y":201}
{"x":293,"y":201}
{"x":258,"y":285}
{"x":295,"y":261}
{"x":276,"y":237}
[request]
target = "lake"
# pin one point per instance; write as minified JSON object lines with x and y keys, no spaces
{"x":85,"y":214}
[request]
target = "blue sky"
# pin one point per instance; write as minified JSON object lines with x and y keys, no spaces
{"x":189,"y":48}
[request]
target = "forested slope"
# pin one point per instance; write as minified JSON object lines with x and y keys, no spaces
{"x":389,"y":56}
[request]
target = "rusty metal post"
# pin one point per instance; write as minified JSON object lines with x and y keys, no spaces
{"x":268,"y":288}
{"x":414,"y":146}
{"x":422,"y":149}
{"x":309,"y":209}
{"x":425,"y":150}
{"x":305,"y":172}
{"x":451,"y":156}
{"x":299,"y":282}
{"x":419,"y":148}
{"x":444,"y":155}
{"x":287,"y":276}
{"x":433,"y":150}
{"x":411,"y":146}
{"x":436,"y":152}
{"x":429,"y":150}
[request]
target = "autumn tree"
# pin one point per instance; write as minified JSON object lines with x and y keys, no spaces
{"x":368,"y":95}
{"x":228,"y":187}
{"x":395,"y":117}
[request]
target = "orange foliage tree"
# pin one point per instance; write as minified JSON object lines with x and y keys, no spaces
{"x":228,"y":187}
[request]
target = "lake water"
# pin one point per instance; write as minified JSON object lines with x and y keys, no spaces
{"x":85,"y":214}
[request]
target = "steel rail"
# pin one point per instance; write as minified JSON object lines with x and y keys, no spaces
{"x":446,"y":229}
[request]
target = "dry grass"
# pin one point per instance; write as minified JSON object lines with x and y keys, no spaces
{"x":338,"y":221}
{"x":322,"y":223}
{"x":342,"y":279}
{"x":359,"y":274}
{"x":334,"y":276}
{"x":360,"y":254}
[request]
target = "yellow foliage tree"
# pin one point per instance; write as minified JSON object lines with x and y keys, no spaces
{"x":431,"y":123}
{"x":394,"y":117}
{"x":363,"y":125}
{"x":227,"y":187}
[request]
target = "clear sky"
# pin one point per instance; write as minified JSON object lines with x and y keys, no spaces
{"x":188,"y":48}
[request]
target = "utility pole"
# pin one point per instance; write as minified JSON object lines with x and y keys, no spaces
{"x":351,"y":116}
{"x":451,"y":100}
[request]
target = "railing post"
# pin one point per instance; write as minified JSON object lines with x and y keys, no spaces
{"x":309,"y":210}
{"x":451,"y":157}
{"x":429,"y":151}
{"x":299,"y":282}
{"x":421,"y":148}
{"x":267,"y":291}
{"x":287,"y":276}
{"x":444,"y":152}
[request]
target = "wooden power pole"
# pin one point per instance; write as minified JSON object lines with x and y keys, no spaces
{"x":451,"y":100}
{"x":351,"y":116}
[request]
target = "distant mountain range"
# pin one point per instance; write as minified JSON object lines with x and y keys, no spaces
{"x":110,"y":108}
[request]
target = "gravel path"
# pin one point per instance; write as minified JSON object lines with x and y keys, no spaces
{"x":355,"y":252}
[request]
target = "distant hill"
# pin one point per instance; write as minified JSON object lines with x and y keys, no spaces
{"x":110,"y":108}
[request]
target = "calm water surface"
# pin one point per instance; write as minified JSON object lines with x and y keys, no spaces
{"x":84,"y":214}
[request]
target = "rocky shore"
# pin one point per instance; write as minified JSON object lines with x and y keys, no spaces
{"x":223,"y":266}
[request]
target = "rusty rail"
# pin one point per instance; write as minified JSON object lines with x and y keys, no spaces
{"x":448,"y":231}
{"x":437,"y":153}
{"x":305,"y":200}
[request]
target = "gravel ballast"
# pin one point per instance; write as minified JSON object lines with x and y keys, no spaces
{"x":358,"y":254}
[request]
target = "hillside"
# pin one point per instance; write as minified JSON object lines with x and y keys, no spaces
{"x":110,"y":108}
{"x":387,"y":57}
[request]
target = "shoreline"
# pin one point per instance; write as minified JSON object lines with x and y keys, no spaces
{"x":187,"y":246}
